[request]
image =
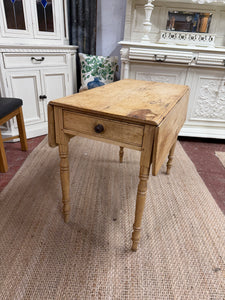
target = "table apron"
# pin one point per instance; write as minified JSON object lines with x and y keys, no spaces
{"x":96,"y":138}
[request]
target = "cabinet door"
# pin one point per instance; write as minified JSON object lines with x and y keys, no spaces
{"x":15,"y":19}
{"x":157,"y":72}
{"x":56,"y":85}
{"x":207,"y":95}
{"x":47,"y":15}
{"x":27,"y":86}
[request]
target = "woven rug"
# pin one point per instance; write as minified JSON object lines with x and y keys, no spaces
{"x":182,"y":249}
{"x":221,"y":156}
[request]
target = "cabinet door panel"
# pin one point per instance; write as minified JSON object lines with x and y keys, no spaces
{"x":160,"y":73}
{"x":27,"y":86}
{"x":207,"y":97}
{"x":14,"y":14}
{"x":14,"y":19}
{"x":46,"y":13}
{"x":55,"y":85}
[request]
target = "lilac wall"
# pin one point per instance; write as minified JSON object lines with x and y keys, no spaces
{"x":110,"y":26}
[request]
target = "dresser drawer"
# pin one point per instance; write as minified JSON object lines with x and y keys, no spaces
{"x":12,"y":60}
{"x":103,"y":128}
{"x":213,"y":60}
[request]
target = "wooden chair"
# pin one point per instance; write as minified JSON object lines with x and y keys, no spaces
{"x":9,"y":108}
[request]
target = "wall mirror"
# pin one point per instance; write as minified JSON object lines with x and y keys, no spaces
{"x":188,"y":21}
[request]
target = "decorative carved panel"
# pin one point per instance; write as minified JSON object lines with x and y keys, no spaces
{"x":156,"y":77}
{"x":190,"y":38}
{"x":210,"y":100}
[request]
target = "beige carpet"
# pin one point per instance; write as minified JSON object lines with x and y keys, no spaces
{"x":182,"y":248}
{"x":221,"y":156}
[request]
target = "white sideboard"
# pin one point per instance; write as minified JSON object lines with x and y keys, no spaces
{"x":37,"y":76}
{"x":200,"y":65}
{"x":36,"y":62}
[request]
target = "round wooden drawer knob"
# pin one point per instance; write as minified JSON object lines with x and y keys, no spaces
{"x":99,"y":128}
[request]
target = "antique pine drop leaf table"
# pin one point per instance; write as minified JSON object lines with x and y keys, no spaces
{"x":141,"y":115}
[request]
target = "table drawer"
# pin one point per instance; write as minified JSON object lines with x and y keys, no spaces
{"x":104,"y":128}
{"x":12,"y":60}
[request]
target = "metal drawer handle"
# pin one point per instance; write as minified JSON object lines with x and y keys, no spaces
{"x":99,"y":128}
{"x":37,"y":59}
{"x":160,"y":59}
{"x":42,"y":97}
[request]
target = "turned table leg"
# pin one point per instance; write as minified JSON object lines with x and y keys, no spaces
{"x":121,"y":154}
{"x":65,"y":180}
{"x":170,"y":158}
{"x":145,"y":162}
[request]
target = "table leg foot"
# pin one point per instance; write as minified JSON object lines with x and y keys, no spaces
{"x":170,"y":159}
{"x":121,"y":153}
{"x":64,"y":174}
{"x":135,"y":238}
{"x":66,"y":217}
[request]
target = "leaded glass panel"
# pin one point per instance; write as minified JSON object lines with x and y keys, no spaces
{"x":45,"y":15}
{"x":14,"y":14}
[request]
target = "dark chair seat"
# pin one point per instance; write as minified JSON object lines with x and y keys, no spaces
{"x":8,"y":105}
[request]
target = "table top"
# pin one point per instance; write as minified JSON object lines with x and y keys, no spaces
{"x":134,"y":100}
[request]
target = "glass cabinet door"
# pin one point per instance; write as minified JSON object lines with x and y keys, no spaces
{"x":33,"y":19}
{"x":14,"y":14}
{"x":15,"y":21}
{"x":45,"y":15}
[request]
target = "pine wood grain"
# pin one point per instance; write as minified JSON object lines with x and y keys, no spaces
{"x":62,"y":139}
{"x":113,"y":130}
{"x":145,"y":163}
{"x":51,"y":127}
{"x":134,"y":100}
{"x":166,"y":133}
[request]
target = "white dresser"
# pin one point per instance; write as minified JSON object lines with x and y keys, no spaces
{"x":36,"y":62}
{"x":150,"y":52}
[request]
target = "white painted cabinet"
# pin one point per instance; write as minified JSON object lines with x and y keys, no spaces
{"x":206,"y":110}
{"x":37,"y":88}
{"x":36,"y":78}
{"x":36,"y":62}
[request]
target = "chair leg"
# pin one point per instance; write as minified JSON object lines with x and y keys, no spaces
{"x":3,"y":160}
{"x":22,"y":132}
